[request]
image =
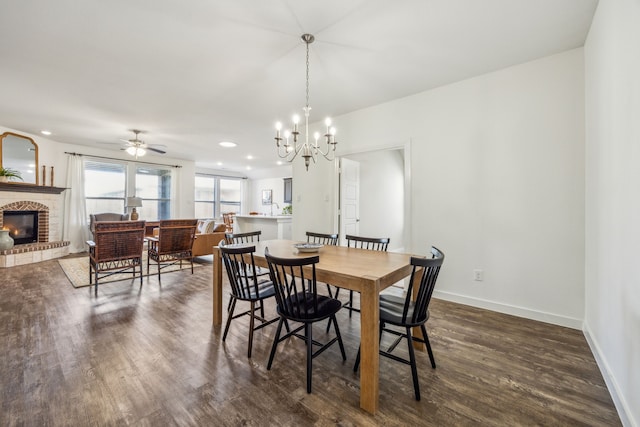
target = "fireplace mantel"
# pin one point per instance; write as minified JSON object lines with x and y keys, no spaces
{"x":30,"y":188}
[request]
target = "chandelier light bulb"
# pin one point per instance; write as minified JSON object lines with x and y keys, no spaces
{"x":327,"y":121}
{"x":278,"y":126}
{"x":131,"y":150}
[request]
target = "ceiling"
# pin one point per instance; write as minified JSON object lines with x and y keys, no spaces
{"x":192,"y":74}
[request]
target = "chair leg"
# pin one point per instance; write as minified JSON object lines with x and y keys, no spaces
{"x":426,"y":341}
{"x":350,"y":303}
{"x":140,"y":272}
{"x":309,"y":334}
{"x":229,"y":316}
{"x":252,"y":321}
{"x":414,"y":369}
{"x":357,"y":364}
{"x":275,"y":343}
{"x":335,"y":324}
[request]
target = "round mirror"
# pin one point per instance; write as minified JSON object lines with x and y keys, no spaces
{"x":20,"y":153}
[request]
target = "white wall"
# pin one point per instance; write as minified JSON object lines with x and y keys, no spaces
{"x":612,"y":318}
{"x":51,"y":153}
{"x":276,"y":185}
{"x":497,"y":171}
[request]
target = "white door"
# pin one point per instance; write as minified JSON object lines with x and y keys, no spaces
{"x":349,"y":198}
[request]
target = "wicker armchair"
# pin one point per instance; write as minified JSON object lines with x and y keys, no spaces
{"x":116,"y":248}
{"x":173,"y":244}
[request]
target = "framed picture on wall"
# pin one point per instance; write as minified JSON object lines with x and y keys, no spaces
{"x":266,"y":197}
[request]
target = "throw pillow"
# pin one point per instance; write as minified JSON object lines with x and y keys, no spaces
{"x":209,"y":226}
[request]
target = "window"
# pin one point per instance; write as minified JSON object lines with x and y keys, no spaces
{"x":109,"y":183}
{"x":104,"y":186}
{"x":205,"y":196}
{"x":230,"y":195}
{"x":153,"y":185}
{"x":215,"y":195}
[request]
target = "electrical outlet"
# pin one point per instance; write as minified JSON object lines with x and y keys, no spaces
{"x":478,"y":275}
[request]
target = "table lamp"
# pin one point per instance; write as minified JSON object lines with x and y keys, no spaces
{"x":134,"y":202}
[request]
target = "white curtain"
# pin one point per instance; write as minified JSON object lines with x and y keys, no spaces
{"x":74,"y":227}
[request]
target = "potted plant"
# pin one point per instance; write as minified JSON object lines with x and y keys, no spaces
{"x":7,"y":174}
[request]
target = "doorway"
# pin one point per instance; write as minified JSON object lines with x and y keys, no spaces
{"x":373,"y":196}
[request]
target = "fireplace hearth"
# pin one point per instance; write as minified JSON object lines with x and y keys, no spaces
{"x":22,"y":226}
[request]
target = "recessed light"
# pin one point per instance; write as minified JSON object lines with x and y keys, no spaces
{"x":45,"y":132}
{"x":249,"y":157}
{"x":279,"y":162}
{"x":248,"y":168}
{"x":228,"y":144}
{"x":219,"y":163}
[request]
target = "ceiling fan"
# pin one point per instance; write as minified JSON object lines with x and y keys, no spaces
{"x":137,"y":147}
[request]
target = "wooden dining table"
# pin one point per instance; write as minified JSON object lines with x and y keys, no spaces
{"x":364,"y":271}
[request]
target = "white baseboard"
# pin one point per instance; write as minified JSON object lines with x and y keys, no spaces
{"x":527,"y":313}
{"x":624,"y":411}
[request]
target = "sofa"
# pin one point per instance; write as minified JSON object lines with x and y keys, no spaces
{"x":208,"y":234}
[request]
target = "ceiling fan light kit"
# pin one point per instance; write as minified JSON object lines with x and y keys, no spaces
{"x":289,"y":150}
{"x":138,"y":148}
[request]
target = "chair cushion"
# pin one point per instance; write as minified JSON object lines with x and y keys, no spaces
{"x":391,"y":308}
{"x":326,"y":307}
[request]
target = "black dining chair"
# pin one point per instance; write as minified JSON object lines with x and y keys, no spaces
{"x":408,"y":313}
{"x":300,"y":303}
{"x":246,"y":238}
{"x":245,"y":286}
{"x":370,"y":243}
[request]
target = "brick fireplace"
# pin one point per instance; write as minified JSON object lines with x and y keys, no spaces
{"x":49,"y":206}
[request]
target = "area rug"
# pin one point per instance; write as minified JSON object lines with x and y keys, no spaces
{"x":77,"y":270}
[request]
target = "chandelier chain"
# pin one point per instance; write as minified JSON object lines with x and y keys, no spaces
{"x":307,"y":75}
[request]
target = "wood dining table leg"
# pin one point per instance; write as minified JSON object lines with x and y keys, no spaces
{"x":369,"y":340}
{"x":217,"y":287}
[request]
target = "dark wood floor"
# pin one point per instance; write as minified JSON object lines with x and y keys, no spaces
{"x":150,"y":356}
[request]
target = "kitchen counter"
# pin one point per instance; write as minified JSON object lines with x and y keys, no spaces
{"x":272,"y":227}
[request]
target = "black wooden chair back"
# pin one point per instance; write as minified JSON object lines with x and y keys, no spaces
{"x":415,"y":312}
{"x":239,"y":263}
{"x":322,"y":238}
{"x":371,"y":243}
{"x":249,"y":237}
{"x":294,"y":280}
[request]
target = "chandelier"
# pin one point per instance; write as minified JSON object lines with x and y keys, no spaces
{"x":289,"y":150}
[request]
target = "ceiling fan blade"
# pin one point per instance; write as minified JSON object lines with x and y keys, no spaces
{"x":157,"y":150}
